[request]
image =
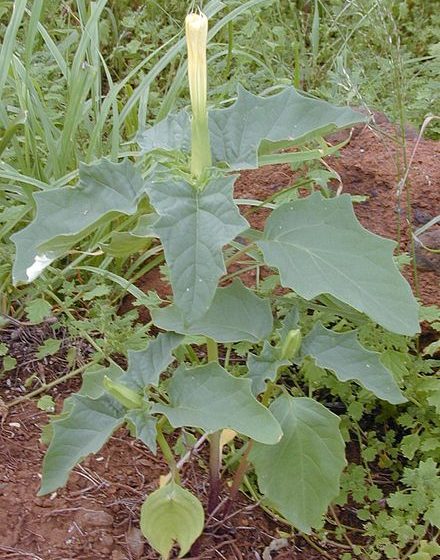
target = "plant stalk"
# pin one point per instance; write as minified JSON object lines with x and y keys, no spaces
{"x":215,"y":448}
{"x":215,"y":463}
{"x":168,"y":454}
{"x":239,"y":476}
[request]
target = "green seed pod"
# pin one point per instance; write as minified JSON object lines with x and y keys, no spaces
{"x":126,"y":396}
{"x":291,"y":344}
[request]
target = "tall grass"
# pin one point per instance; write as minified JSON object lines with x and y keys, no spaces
{"x":61,"y":101}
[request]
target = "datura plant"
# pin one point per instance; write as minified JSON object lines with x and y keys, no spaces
{"x":179,"y":200}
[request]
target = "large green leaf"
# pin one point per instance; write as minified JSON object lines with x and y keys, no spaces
{"x":145,"y":366}
{"x":193,"y":226}
{"x":87,"y":427}
{"x":210,"y":398}
{"x":171,"y":514}
{"x":237,"y":132}
{"x":236,"y":314}
{"x":264,"y":366}
{"x":65,"y":215}
{"x":319,"y":247}
{"x":342,"y":353}
{"x":300,"y":475}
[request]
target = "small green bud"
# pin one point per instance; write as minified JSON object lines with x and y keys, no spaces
{"x":291,"y":344}
{"x":126,"y":396}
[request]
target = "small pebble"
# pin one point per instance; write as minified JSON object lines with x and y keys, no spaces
{"x":135,"y":542}
{"x":98,"y":518}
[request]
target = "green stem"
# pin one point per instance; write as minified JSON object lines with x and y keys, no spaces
{"x":239,"y":254}
{"x":167,"y":453}
{"x":230,"y":49}
{"x":192,"y":354}
{"x":200,"y":145}
{"x":215,"y":449}
{"x":212,"y":349}
{"x":227,"y":356}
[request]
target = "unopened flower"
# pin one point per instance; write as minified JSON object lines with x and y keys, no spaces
{"x":196,"y":26}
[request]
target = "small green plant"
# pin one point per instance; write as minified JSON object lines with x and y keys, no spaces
{"x":179,"y":196}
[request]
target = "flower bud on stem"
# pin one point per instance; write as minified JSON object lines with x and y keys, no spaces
{"x":196,"y":25}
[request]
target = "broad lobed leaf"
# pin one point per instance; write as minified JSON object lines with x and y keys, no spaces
{"x":65,"y":215}
{"x":145,"y":366}
{"x":237,"y":132}
{"x":319,"y":247}
{"x":342,"y":354}
{"x":264,"y":366}
{"x":210,"y":398}
{"x":300,"y":475}
{"x":236,"y":314}
{"x":193,"y":227}
{"x":87,"y":427}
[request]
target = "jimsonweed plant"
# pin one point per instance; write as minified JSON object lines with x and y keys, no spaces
{"x":180,"y":197}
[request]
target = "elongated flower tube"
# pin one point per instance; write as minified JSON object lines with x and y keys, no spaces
{"x":126,"y":396}
{"x":196,"y":25}
{"x":291,"y":344}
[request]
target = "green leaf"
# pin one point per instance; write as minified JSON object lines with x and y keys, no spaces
{"x":88,"y":426}
{"x":171,"y":514}
{"x":210,"y":398}
{"x":99,"y":291}
{"x":342,"y":354}
{"x":319,"y":247}
{"x":149,"y":299}
{"x":93,"y":380}
{"x":125,"y":243}
{"x":289,"y":322}
{"x":66,"y":215}
{"x":143,"y":427}
{"x":263,"y":367}
{"x":46,"y":403}
{"x":236,"y":133}
{"x":38,"y":310}
{"x":236,"y":314}
{"x":434,"y":397}
{"x":145,"y":366}
{"x":9,"y":363}
{"x":49,"y":347}
{"x":171,"y":133}
{"x":432,"y":515}
{"x":193,"y":226}
{"x":300,"y":475}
